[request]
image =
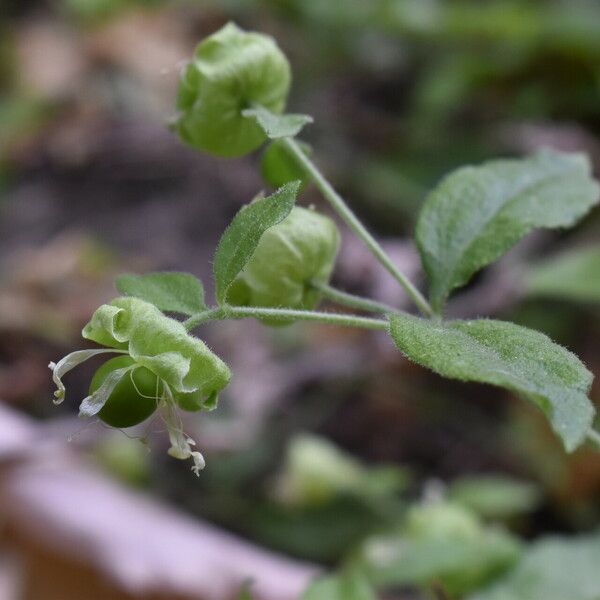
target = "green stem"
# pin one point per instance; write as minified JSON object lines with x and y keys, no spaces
{"x":594,"y":437}
{"x":285,"y":314}
{"x":201,"y":317}
{"x":340,"y":206}
{"x":358,"y":302}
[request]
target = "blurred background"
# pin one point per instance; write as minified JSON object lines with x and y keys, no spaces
{"x":328,"y":448}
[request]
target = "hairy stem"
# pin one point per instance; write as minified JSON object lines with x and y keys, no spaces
{"x":340,"y":206}
{"x":285,"y":314}
{"x":201,"y":317}
{"x":351,"y":300}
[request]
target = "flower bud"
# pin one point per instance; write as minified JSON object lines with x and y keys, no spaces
{"x":290,"y":257}
{"x":161,"y":367}
{"x":232,"y":70}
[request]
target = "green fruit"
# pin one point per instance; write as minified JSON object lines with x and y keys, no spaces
{"x":128,"y":404}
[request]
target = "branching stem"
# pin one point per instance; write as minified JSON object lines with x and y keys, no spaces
{"x":353,"y":301}
{"x":241,"y":312}
{"x":207,"y":315}
{"x":343,"y":210}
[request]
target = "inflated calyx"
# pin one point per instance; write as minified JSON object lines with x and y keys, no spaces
{"x":162,"y":366}
{"x":232,"y":70}
{"x":290,"y":258}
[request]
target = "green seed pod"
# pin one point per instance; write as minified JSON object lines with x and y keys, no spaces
{"x":231,"y":70}
{"x":299,"y":250}
{"x":134,"y":398}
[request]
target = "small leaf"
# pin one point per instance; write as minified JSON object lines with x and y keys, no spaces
{"x":315,"y":472}
{"x":477,"y":213}
{"x":170,"y":291}
{"x":573,"y":276}
{"x":495,"y":496}
{"x":351,"y":585}
{"x":277,"y":126}
{"x":507,"y":355}
{"x":554,"y":568}
{"x":439,"y":542}
{"x":92,"y":405}
{"x":241,"y":238}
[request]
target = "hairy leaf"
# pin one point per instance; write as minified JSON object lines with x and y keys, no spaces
{"x":519,"y":359}
{"x":170,"y":291}
{"x":277,"y":126}
{"x":553,"y":569}
{"x":573,"y":276}
{"x":477,"y":213}
{"x":240,"y":239}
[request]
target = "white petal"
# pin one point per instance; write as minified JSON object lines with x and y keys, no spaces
{"x":64,"y":365}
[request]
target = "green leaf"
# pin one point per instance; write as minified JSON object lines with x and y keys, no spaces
{"x":573,"y":276}
{"x":553,"y":569}
{"x":277,"y":126}
{"x":319,"y":533}
{"x":169,"y":291}
{"x":350,"y":585}
{"x":245,"y":593}
{"x":440,"y":542}
{"x":315,"y":472}
{"x":477,"y":213}
{"x":278,"y":167}
{"x":459,"y":565}
{"x":495,"y":496}
{"x":507,"y":355}
{"x":241,"y":238}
